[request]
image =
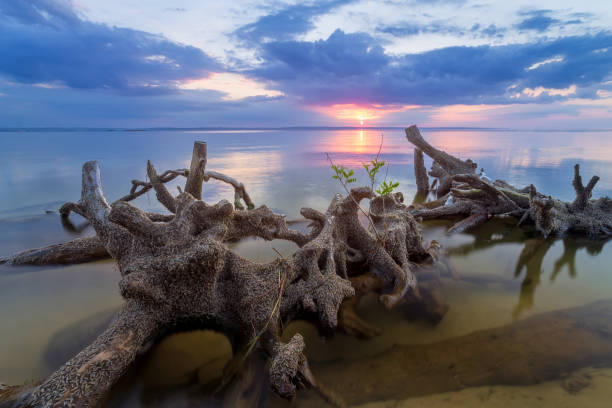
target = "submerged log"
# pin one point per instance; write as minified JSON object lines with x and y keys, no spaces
{"x":177,"y":272}
{"x":567,"y":340}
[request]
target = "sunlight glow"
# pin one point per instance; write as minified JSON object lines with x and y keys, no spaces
{"x":361,"y":113}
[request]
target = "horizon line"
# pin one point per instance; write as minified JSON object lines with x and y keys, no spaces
{"x":263,"y":128}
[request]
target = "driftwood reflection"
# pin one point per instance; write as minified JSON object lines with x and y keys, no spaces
{"x":531,"y":258}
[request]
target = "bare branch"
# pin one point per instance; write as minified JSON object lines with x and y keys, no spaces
{"x":161,"y":192}
{"x":239,"y":189}
{"x":195,"y":178}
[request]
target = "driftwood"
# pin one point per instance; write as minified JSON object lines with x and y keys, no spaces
{"x":463,"y":193}
{"x":541,"y":348}
{"x":177,"y":272}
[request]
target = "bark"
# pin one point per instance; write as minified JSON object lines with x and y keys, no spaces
{"x":567,"y":340}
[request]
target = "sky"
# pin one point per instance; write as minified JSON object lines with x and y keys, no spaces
{"x":247,"y":63}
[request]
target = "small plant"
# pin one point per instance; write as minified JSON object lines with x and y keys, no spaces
{"x":343,"y":174}
{"x":386,"y":187}
{"x":372,"y":171}
{"x":347,"y":176}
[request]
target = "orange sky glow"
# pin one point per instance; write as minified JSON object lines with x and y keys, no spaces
{"x":361,"y":114}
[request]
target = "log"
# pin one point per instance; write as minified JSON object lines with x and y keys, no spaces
{"x":541,"y":348}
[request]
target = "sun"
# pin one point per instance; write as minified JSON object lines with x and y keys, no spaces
{"x":351,"y":112}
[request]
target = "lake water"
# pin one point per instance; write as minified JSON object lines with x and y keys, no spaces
{"x":48,"y":313}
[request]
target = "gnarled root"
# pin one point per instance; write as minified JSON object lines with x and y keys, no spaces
{"x":179,"y":271}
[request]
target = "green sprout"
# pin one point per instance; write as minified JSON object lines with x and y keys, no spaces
{"x":346,"y":176}
{"x":387,"y":187}
{"x":343,"y":174}
{"x":373,"y":171}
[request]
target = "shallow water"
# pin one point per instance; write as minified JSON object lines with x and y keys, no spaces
{"x":47,"y":314}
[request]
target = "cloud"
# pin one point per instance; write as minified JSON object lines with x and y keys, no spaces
{"x":26,"y":106}
{"x":411,"y":29}
{"x":43,"y":41}
{"x":287,"y":22}
{"x":537,"y":20}
{"x":404,"y":30}
{"x":354,"y":68}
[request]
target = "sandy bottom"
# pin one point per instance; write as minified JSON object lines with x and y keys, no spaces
{"x":591,"y":387}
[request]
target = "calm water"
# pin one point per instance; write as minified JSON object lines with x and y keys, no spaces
{"x":47,"y":314}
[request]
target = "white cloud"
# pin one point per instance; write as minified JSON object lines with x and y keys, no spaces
{"x":234,"y":86}
{"x":547,"y":61}
{"x":535,"y":92}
